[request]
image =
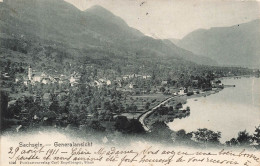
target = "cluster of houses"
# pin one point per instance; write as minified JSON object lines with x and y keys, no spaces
{"x":41,"y":77}
{"x":125,"y":77}
{"x":5,"y":75}
{"x":34,"y":77}
{"x":73,"y":79}
{"x":216,"y":84}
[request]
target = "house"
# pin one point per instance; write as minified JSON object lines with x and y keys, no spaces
{"x":56,"y":79}
{"x":73,"y":80}
{"x":118,"y":79}
{"x":26,"y":82}
{"x":125,"y":77}
{"x":101,"y":80}
{"x":12,"y":102}
{"x":182,"y":91}
{"x":46,"y":80}
{"x":131,"y":76}
{"x":46,"y":97}
{"x":164,"y":82}
{"x":174,"y":91}
{"x":19,"y":78}
{"x":97,"y":83}
{"x":216,"y":84}
{"x":6,"y":75}
{"x":138,"y":76}
{"x":37,"y":76}
{"x":130,"y":86}
{"x":146,"y":76}
{"x":108,"y":82}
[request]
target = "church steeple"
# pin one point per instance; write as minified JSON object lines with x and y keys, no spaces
{"x":30,"y":73}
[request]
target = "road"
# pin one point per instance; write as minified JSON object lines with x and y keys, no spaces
{"x":143,"y":116}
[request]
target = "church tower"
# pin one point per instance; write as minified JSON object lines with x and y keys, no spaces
{"x":30,"y":73}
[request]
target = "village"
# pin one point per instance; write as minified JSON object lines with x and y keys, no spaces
{"x":62,"y":100}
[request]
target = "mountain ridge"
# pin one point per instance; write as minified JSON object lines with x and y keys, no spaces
{"x":236,"y":45}
{"x":95,"y":29}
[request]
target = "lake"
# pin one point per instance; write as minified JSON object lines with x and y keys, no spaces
{"x":231,"y":110}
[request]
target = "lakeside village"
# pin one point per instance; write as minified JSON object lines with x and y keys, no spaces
{"x":97,"y":100}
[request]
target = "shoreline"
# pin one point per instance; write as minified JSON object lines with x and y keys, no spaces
{"x":184,"y":99}
{"x":227,"y":107}
{"x":205,"y":94}
{"x":247,"y":75}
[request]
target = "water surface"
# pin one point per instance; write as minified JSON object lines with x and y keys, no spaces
{"x":231,"y":110}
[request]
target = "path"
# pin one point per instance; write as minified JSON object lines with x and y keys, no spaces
{"x":143,"y":116}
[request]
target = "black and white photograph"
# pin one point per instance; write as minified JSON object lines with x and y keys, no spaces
{"x":130,"y":82}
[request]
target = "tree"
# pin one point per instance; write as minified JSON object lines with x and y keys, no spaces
{"x":162,"y":89}
{"x":134,"y":126}
{"x":119,"y":70}
{"x":147,"y":105}
{"x":207,"y":136}
{"x":178,"y":106}
{"x":121,"y":123}
{"x":244,"y":139}
{"x":182,"y":137}
{"x":3,"y":105}
{"x":256,"y":137}
{"x":96,"y":126}
{"x":232,"y":142}
{"x":5,"y":113}
{"x":55,"y":106}
{"x":106,"y":105}
{"x":161,"y":132}
{"x":66,"y":107}
{"x":153,"y":77}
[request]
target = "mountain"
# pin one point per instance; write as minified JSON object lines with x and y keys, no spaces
{"x":174,"y":41}
{"x":60,"y":21}
{"x":235,"y":45}
{"x":94,"y":33}
{"x":166,"y":48}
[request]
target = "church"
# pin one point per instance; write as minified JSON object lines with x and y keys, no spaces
{"x":34,"y":77}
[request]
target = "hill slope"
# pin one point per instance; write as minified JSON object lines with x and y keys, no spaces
{"x":94,"y":30}
{"x":235,"y":45}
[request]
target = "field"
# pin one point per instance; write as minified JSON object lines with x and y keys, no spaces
{"x":142,"y":102}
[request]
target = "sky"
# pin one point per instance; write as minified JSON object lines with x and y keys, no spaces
{"x":177,"y":18}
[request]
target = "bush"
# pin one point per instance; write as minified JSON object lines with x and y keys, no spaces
{"x":190,"y":93}
{"x":207,"y":136}
{"x":244,"y":139}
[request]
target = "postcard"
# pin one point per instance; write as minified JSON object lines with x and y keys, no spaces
{"x":130,"y":82}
